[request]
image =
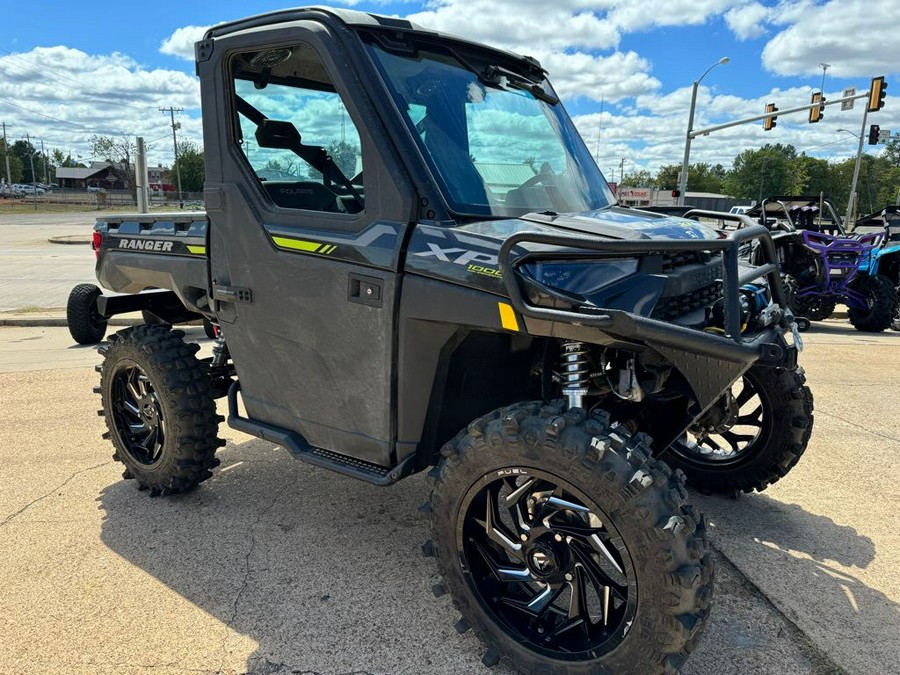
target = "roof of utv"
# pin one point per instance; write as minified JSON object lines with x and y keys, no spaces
{"x":355,"y":19}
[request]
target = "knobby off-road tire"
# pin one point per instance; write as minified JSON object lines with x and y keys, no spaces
{"x":159,"y":409}
{"x":564,"y":480}
{"x":86,"y":325}
{"x":895,"y":323}
{"x":882,"y":298}
{"x":814,"y":307}
{"x":764,"y":438}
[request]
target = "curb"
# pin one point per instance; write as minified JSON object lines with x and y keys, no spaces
{"x":77,"y":239}
{"x":59,"y":322}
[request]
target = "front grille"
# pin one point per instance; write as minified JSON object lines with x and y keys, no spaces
{"x":668,"y":309}
{"x":672,"y":261}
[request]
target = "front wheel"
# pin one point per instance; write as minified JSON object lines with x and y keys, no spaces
{"x":751,"y":437}
{"x":567,"y":547}
{"x":881,"y":301}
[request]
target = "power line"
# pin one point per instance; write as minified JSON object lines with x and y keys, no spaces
{"x":43,"y":74}
{"x":56,"y":119}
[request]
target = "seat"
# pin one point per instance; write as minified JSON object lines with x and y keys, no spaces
{"x":305,"y":195}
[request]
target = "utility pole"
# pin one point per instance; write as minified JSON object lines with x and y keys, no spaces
{"x":31,"y":160}
{"x":6,"y":147}
{"x":140,"y":175}
{"x":175,"y":126}
{"x":44,"y":160}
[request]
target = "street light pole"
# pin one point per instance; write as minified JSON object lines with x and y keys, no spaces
{"x":824,"y":67}
{"x":682,"y":185}
{"x":850,"y":218}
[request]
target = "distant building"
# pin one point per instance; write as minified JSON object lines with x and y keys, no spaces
{"x":157,"y":175}
{"x":100,"y":174}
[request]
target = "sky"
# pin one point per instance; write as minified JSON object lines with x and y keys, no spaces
{"x":624,"y":68}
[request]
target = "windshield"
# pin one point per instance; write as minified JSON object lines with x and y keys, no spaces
{"x":499,"y":145}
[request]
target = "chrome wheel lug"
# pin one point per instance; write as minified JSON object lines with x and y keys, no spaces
{"x":557,"y":537}
{"x":568,"y":576}
{"x":523,"y":537}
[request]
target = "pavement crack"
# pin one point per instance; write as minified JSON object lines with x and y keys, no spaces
{"x":245,"y":582}
{"x":10,"y":517}
{"x":887,"y":437}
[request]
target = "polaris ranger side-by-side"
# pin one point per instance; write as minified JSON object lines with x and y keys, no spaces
{"x":414,"y":263}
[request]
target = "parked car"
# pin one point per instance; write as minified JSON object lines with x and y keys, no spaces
{"x":95,"y":188}
{"x":31,"y":190}
{"x":740,"y":209}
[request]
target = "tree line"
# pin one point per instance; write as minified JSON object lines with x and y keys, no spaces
{"x":777,"y":169}
{"x":119,"y":151}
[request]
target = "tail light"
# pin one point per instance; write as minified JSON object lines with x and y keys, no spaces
{"x":96,"y":240}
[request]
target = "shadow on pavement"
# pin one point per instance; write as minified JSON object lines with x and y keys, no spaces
{"x":800,"y":560}
{"x":322,"y":572}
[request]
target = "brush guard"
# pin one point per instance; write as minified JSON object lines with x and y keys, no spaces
{"x":841,"y":260}
{"x":768,"y":346}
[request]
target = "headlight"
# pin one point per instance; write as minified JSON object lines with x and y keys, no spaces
{"x":581,"y":277}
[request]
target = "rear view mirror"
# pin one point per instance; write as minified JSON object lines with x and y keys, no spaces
{"x":278,"y":134}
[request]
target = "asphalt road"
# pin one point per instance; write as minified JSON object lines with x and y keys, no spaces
{"x":274,"y":566}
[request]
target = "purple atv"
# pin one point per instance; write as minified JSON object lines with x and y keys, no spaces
{"x":826,"y":270}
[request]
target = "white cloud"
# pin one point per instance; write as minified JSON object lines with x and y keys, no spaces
{"x":598,"y":78}
{"x":181,"y":42}
{"x":748,"y":21}
{"x":855,"y":36}
{"x":86,"y":94}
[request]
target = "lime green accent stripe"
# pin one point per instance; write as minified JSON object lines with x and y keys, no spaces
{"x":197,"y":250}
{"x":296,"y":244}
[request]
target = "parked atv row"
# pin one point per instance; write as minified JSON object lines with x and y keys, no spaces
{"x":822,"y":265}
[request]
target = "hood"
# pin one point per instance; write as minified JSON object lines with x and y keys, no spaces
{"x":619,"y":223}
{"x":611,"y":223}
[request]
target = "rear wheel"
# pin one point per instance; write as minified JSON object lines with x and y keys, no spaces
{"x":751,"y":437}
{"x":567,"y":547}
{"x":159,"y":409}
{"x":881,"y":301}
{"x":86,"y":325}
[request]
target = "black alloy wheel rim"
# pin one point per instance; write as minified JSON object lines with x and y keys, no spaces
{"x":547,"y":564}
{"x":742,"y":428}
{"x":137,"y":413}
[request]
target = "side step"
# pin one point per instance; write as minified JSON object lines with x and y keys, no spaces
{"x":301,"y":449}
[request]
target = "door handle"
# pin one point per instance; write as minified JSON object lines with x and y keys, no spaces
{"x":232,"y":294}
{"x":365,"y":290}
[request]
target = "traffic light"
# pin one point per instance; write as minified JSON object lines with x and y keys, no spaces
{"x":876,"y":94}
{"x":816,"y":113}
{"x":874,"y":130}
{"x":769,"y":123}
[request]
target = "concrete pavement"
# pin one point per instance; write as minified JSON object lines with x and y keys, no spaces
{"x":272,"y":566}
{"x":35,"y":273}
{"x":269,"y":567}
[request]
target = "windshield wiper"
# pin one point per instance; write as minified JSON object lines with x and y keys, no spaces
{"x":494,"y":75}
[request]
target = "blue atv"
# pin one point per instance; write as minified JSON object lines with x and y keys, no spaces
{"x":885,"y":260}
{"x":822,"y":265}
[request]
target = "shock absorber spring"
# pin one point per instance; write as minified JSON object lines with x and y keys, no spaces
{"x":575,"y":372}
{"x":220,"y":352}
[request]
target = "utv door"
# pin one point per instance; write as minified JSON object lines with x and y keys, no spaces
{"x":308,"y":212}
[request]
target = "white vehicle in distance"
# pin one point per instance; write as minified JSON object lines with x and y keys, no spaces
{"x":740,"y":209}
